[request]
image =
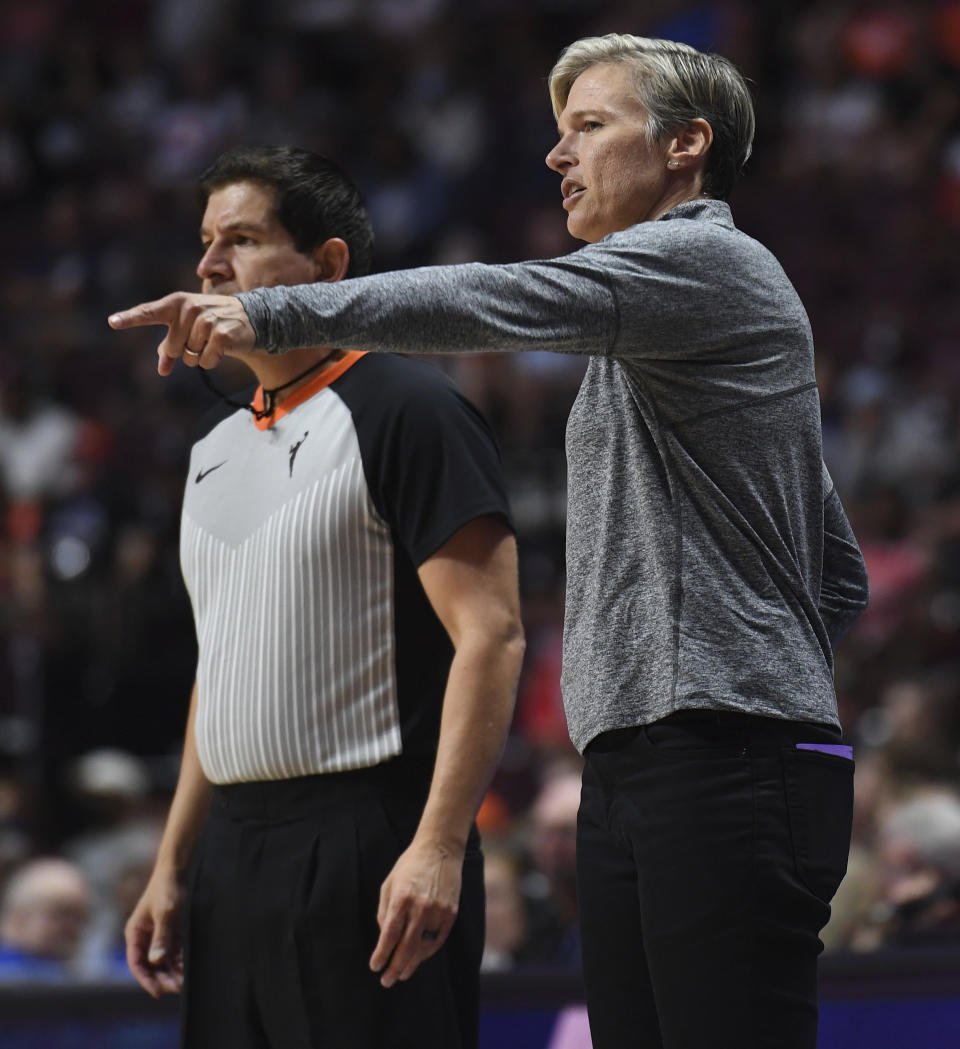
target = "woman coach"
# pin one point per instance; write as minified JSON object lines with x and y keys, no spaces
{"x":710,"y":564}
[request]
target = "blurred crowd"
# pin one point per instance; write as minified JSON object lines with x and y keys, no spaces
{"x":109,"y":111}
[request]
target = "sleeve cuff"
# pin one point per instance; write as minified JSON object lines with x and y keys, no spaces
{"x":257,"y":313}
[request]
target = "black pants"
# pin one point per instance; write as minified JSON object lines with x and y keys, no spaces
{"x":281,"y":921}
{"x":709,"y":848}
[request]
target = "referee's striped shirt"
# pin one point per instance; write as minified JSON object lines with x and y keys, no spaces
{"x":300,"y":541}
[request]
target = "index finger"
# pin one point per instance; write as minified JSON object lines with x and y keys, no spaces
{"x":160,"y":311}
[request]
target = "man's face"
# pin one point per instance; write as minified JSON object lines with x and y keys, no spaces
{"x":244,"y":244}
{"x":51,"y":924}
{"x":613,"y":176}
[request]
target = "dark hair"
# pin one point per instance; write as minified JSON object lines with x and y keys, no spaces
{"x":314,"y":199}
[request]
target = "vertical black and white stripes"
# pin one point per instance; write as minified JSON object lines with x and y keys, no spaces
{"x":295,"y":630}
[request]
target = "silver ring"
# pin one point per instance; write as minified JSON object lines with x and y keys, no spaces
{"x":193,"y":353}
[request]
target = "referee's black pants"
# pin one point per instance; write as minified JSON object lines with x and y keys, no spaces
{"x":281,"y":921}
{"x":708,"y":850}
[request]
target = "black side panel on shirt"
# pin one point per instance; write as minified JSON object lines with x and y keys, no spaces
{"x":430,"y":458}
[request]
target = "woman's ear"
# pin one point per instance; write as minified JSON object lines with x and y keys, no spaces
{"x":689,"y":147}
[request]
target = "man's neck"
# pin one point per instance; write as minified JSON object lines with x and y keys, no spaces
{"x":273,"y":370}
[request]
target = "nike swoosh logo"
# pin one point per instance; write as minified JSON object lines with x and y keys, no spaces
{"x":203,"y":473}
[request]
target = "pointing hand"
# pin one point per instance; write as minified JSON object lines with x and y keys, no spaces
{"x":202,"y":329}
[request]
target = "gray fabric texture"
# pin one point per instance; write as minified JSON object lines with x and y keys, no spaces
{"x":709,"y":561}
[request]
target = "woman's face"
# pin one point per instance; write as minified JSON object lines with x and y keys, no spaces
{"x":613,"y":175}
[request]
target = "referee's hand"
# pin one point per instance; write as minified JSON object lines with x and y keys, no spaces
{"x":201,"y":329}
{"x":152,"y":934}
{"x":418,"y":906}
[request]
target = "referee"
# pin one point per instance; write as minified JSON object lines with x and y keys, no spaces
{"x":346,"y":545}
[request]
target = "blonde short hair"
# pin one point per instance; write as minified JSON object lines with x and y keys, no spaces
{"x":675,"y":83}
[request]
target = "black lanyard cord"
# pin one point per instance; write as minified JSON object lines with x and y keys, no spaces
{"x":269,"y":396}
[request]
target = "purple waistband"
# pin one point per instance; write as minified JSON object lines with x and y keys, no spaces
{"x":837,"y":749}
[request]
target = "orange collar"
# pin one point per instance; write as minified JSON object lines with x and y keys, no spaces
{"x":308,"y":390}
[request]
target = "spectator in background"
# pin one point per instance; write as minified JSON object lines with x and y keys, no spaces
{"x":116,"y":853}
{"x":46,"y":904}
{"x":919,"y":856}
{"x":917,"y":873}
{"x":506,"y":920}
{"x":112,"y":788}
{"x":551,"y":884}
{"x":39,"y":439}
{"x":104,"y":954}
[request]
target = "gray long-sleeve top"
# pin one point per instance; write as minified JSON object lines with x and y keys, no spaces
{"x":709,"y":561}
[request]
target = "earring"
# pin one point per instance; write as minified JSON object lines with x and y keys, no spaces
{"x":673,"y":163}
